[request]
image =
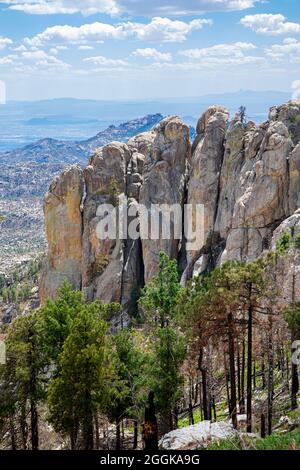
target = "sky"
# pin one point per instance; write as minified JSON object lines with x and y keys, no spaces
{"x":145,"y":49}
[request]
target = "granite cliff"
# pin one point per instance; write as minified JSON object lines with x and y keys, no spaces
{"x":246,"y":175}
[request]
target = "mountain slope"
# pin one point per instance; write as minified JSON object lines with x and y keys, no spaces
{"x":54,"y":151}
{"x":25,"y":175}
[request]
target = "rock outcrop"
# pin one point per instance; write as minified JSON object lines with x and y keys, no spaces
{"x":164,"y":183}
{"x":288,"y":266}
{"x":206,"y":164}
{"x":247,"y":177}
{"x":197,"y":436}
{"x":63,"y":221}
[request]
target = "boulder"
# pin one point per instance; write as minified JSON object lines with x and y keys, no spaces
{"x":197,"y":436}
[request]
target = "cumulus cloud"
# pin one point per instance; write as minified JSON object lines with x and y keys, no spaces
{"x":134,"y":7}
{"x":4,"y":42}
{"x":182,"y":7}
{"x":158,"y":29}
{"x":85,"y":47}
{"x":151,"y":53}
{"x":41,"y":59}
{"x":8,"y":60}
{"x":219,"y":50}
{"x":106,"y":62}
{"x":51,"y":7}
{"x":20,"y":48}
{"x":269,"y":24}
{"x":289,"y":50}
{"x":222,"y":54}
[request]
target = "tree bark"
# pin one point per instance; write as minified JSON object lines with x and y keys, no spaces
{"x":34,"y":426}
{"x":118,"y":434}
{"x":295,"y":379}
{"x":203,"y":371}
{"x":270,"y":381}
{"x":232,"y":371}
{"x":262,"y":426}
{"x":135,"y":434}
{"x":242,"y":402}
{"x":150,"y":431}
{"x":249,"y":368}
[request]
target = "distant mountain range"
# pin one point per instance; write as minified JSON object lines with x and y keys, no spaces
{"x":25,"y":175}
{"x":69,"y":119}
{"x":257,"y":103}
{"x":54,"y":151}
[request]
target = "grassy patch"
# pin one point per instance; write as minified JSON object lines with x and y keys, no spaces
{"x":287,"y":441}
{"x":284,"y":441}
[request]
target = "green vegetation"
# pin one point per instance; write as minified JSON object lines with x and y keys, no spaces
{"x":213,"y":350}
{"x":284,"y":242}
{"x":17,"y":286}
{"x":282,"y":441}
{"x":167,"y":350}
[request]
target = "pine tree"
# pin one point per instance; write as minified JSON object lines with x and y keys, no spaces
{"x":23,"y":381}
{"x":85,"y":380}
{"x":292,"y":317}
{"x":167,"y":346}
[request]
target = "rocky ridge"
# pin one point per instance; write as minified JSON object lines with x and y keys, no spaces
{"x":246,"y":175}
{"x":25,"y":176}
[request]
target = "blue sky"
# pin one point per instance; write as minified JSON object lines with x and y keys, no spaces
{"x":133,"y":49}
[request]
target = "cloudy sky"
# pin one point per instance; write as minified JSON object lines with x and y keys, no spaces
{"x":143,"y":49}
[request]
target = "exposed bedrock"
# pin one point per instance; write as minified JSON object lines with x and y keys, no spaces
{"x":247,"y":177}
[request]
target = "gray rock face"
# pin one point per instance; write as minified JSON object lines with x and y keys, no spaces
{"x":206,"y":163}
{"x":63,"y":221}
{"x":246,"y":176}
{"x":288,"y":266}
{"x":262,"y":195}
{"x":294,"y":170}
{"x":102,"y":259}
{"x":164,"y":183}
{"x":289,"y":114}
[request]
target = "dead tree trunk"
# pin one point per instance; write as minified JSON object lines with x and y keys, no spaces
{"x":249,"y":369}
{"x":150,"y":431}
{"x":203,"y":371}
{"x":233,"y":401}
{"x":295,"y":378}
{"x":270,"y":381}
{"x":242,"y":401}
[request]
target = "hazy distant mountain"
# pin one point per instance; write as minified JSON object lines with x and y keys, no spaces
{"x":25,"y":175}
{"x":54,"y":151}
{"x":257,"y":103}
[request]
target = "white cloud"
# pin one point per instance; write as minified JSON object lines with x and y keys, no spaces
{"x":9,"y":59}
{"x":51,"y":7}
{"x":219,"y":50}
{"x":271,"y":25}
{"x":21,"y":48}
{"x":158,"y":29}
{"x":151,"y":53}
{"x":42,"y":59}
{"x":221,"y":54}
{"x":112,"y":7}
{"x":4,"y":42}
{"x":106,"y":62}
{"x":85,"y":47}
{"x":289,"y":50}
{"x":182,"y":7}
